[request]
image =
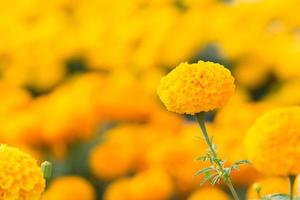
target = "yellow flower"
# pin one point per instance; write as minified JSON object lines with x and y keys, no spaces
{"x":209,"y":194}
{"x":195,"y":88}
{"x":252,"y":73}
{"x":21,"y":177}
{"x":152,"y":184}
{"x":116,"y":155}
{"x":12,"y":98}
{"x":70,"y":187}
{"x":149,"y":184}
{"x":270,"y":185}
{"x":118,"y":190}
{"x":286,"y":94}
{"x":273,"y":143}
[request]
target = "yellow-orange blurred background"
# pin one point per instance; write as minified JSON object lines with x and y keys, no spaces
{"x":79,"y":78}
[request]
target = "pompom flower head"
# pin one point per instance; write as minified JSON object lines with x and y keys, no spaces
{"x":195,"y":88}
{"x":21,"y":177}
{"x":70,"y":187}
{"x":273,"y":143}
{"x":209,"y":194}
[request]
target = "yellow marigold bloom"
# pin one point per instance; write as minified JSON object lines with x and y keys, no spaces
{"x":152,"y":184}
{"x":195,"y":88}
{"x":271,"y":185}
{"x":118,"y":190}
{"x":12,"y":98}
{"x":252,"y":72}
{"x":115,"y":156}
{"x":70,"y":188}
{"x":209,"y":194}
{"x":287,"y":94}
{"x":149,"y":184}
{"x":21,"y":177}
{"x":273,"y":143}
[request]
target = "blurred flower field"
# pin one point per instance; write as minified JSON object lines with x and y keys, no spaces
{"x":81,"y":83}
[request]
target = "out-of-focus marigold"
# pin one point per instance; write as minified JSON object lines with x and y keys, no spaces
{"x":273,"y":142}
{"x":152,"y":184}
{"x":209,"y":194}
{"x":70,"y":187}
{"x":195,"y":88}
{"x":114,"y":157}
{"x":21,"y":177}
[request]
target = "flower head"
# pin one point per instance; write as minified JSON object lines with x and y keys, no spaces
{"x":195,"y":88}
{"x":114,"y":157}
{"x":70,"y":187}
{"x":273,"y":143}
{"x":149,"y":184}
{"x":209,"y":194}
{"x":21,"y":177}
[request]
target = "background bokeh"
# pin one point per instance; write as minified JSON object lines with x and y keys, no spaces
{"x":78,"y":88}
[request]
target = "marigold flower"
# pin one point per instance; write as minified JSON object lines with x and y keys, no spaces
{"x":273,"y":143}
{"x":21,"y":177}
{"x":118,"y":190}
{"x":114,"y":157}
{"x":209,"y":194}
{"x":195,"y":88}
{"x":70,"y":187}
{"x":149,"y":184}
{"x":152,"y":184}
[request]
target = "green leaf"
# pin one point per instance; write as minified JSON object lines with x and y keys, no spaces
{"x":239,"y":162}
{"x":202,"y":158}
{"x":207,"y":177}
{"x":203,"y":171}
{"x":235,"y":165}
{"x":216,"y":180}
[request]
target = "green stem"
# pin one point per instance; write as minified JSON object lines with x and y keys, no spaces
{"x":292,"y":182}
{"x":201,"y":121}
{"x":232,"y":190}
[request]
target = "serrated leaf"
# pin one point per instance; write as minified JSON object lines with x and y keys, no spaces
{"x":216,"y":180}
{"x":207,"y":174}
{"x":202,"y":158}
{"x":239,"y":162}
{"x":206,"y":178}
{"x":203,"y":171}
{"x":235,"y":167}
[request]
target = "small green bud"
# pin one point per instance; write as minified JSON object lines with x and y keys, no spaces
{"x":46,"y":167}
{"x":257,"y":188}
